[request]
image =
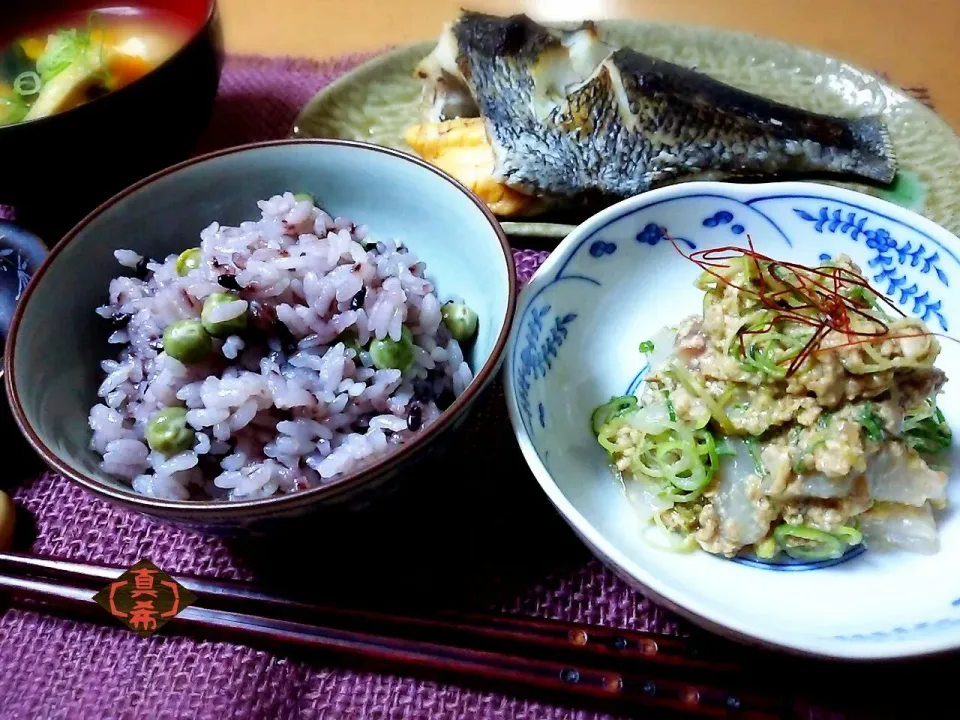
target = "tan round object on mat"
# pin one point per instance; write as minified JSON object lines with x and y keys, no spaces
{"x":7,"y":521}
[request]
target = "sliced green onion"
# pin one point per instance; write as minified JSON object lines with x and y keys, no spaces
{"x":802,"y":542}
{"x":304,"y":197}
{"x":27,"y":83}
{"x":670,"y":495}
{"x":687,"y":460}
{"x":850,"y":535}
{"x":645,"y":463}
{"x":861,"y":294}
{"x":872,"y":424}
{"x":724,"y":448}
{"x":766,"y":351}
{"x":671,"y":410}
{"x":646,"y":347}
{"x":608,"y":437}
{"x":686,"y":378}
{"x":614,"y":408}
{"x":798,"y":463}
{"x":676,"y":541}
{"x":727,"y":395}
{"x":926,"y":430}
{"x":766,"y":549}
{"x":680,"y":468}
{"x":751,"y":444}
{"x":707,"y":447}
{"x":681,"y":461}
{"x":706,"y":282}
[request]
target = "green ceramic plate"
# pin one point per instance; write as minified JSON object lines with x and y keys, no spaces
{"x":377,"y":100}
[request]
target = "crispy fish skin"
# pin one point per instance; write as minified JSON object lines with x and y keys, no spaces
{"x":636,"y":122}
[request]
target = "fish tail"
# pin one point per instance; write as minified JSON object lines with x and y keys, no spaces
{"x":871,"y":139}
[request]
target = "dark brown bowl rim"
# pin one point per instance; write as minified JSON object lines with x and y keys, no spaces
{"x":212,"y":8}
{"x":275,"y":502}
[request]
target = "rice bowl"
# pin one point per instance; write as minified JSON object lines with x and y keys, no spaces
{"x":58,"y":341}
{"x":295,"y":398}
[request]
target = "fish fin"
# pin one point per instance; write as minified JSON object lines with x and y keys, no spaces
{"x":872,"y":139}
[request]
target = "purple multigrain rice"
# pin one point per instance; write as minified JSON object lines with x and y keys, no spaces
{"x":289,"y":403}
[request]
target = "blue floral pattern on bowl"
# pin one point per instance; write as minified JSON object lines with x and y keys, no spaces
{"x":889,"y":259}
{"x":13,"y":262}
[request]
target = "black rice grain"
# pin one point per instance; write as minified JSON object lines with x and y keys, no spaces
{"x":414,"y":416}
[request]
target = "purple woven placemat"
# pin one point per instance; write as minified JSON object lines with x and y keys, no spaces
{"x":473,"y":532}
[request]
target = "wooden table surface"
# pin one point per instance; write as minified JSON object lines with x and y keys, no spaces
{"x":914,"y":42}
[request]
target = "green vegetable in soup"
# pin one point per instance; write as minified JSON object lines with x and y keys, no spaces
{"x":187,"y":341}
{"x":26,"y":84}
{"x":305,"y":197}
{"x":167,"y":432}
{"x":69,"y":46}
{"x":12,"y":110}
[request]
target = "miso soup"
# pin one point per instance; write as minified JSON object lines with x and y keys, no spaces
{"x":55,"y":68}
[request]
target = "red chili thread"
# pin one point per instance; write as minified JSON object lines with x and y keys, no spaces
{"x":823,"y":304}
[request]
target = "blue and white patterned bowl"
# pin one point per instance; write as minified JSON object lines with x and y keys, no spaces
{"x":613,"y":283}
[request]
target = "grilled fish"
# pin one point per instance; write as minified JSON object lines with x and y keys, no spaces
{"x":569,"y":118}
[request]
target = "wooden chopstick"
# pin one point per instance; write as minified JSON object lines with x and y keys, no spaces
{"x":590,"y":644}
{"x":610,"y":689}
{"x":513,"y":656}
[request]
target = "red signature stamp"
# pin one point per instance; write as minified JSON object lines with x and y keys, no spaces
{"x":145,"y":598}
